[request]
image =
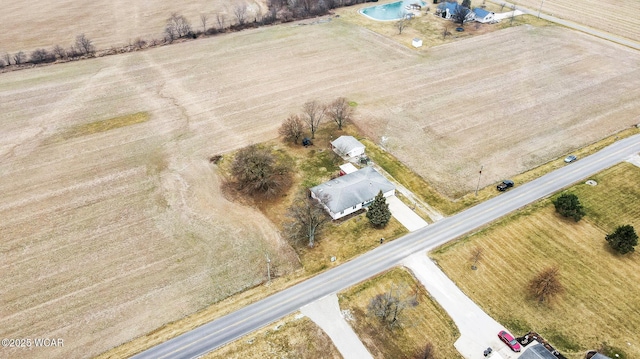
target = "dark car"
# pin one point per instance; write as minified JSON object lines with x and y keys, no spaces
{"x":509,"y":340}
{"x":570,"y":158}
{"x":504,"y":185}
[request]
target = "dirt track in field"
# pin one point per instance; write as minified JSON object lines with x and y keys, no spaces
{"x":42,"y":24}
{"x":108,"y":236}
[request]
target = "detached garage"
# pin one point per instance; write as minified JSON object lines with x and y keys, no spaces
{"x":347,"y":146}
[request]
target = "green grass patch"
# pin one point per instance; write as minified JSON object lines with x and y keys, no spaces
{"x":346,"y":239}
{"x":422,"y":323}
{"x":602,"y":202}
{"x":319,"y":166}
{"x":105,"y":125}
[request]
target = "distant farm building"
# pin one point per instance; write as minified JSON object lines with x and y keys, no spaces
{"x":483,"y":16}
{"x":347,"y":146}
{"x":416,"y":42}
{"x":351,"y":192}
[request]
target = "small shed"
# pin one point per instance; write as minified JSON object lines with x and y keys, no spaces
{"x":483,"y":16}
{"x":347,"y":168}
{"x":347,"y":146}
{"x":416,"y":42}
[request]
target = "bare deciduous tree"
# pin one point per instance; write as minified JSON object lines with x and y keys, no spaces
{"x":220,"y":20}
{"x":41,"y":55}
{"x":401,"y":25}
{"x":445,"y":31}
{"x":59,"y":52}
{"x":426,"y":352}
{"x":307,"y":217}
{"x":292,"y":128}
{"x":314,"y":113}
{"x":177,"y":26}
{"x":240,"y":12}
{"x":84,"y":45}
{"x":546,"y":284}
{"x":340,"y":111}
{"x":139,"y":43}
{"x":7,"y":58}
{"x":19,"y":58}
{"x":388,"y":306}
{"x":461,"y":14}
{"x":258,"y":171}
{"x":203,"y":21}
{"x":513,"y":14}
{"x":476,"y":256}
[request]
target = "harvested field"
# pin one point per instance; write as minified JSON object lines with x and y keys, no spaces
{"x":618,"y":17}
{"x":601,"y":292}
{"x":43,"y":24}
{"x":120,"y":227}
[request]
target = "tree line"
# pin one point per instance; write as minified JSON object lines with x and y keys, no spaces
{"x":178,"y":26}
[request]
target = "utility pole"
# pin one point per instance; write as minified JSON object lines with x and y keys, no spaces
{"x":268,"y":269}
{"x":540,"y":9}
{"x":479,"y":175}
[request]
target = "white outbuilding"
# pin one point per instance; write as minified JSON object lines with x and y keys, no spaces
{"x":416,"y":42}
{"x":483,"y":16}
{"x":347,"y":146}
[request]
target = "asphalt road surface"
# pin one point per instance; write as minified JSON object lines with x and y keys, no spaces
{"x":232,"y":326}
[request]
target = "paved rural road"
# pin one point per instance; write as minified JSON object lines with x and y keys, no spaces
{"x":232,"y":326}
{"x":572,"y":25}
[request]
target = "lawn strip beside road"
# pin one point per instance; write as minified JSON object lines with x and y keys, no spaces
{"x":257,"y":315}
{"x":601,"y":293}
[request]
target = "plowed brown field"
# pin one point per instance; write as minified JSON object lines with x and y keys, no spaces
{"x":28,"y":25}
{"x":108,"y":233}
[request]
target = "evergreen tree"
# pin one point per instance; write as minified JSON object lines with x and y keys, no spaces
{"x":379,"y":213}
{"x":623,"y":239}
{"x":568,"y":205}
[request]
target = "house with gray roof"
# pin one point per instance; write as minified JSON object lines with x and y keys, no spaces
{"x":351,"y":192}
{"x":347,"y":146}
{"x":536,"y":350}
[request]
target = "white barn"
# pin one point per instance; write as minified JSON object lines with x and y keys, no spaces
{"x":347,"y":146}
{"x":351,"y":192}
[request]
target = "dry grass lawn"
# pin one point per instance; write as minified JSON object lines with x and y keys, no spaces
{"x":292,"y":337}
{"x":43,"y":24}
{"x":613,"y":16}
{"x":602,"y":297}
{"x":425,"y":322}
{"x":120,"y":227}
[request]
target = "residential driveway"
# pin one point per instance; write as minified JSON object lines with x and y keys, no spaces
{"x":634,"y":160}
{"x":404,"y":214}
{"x":506,"y":15}
{"x":325,"y":312}
{"x":478,"y":331}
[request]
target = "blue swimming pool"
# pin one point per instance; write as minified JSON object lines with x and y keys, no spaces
{"x":387,"y":12}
